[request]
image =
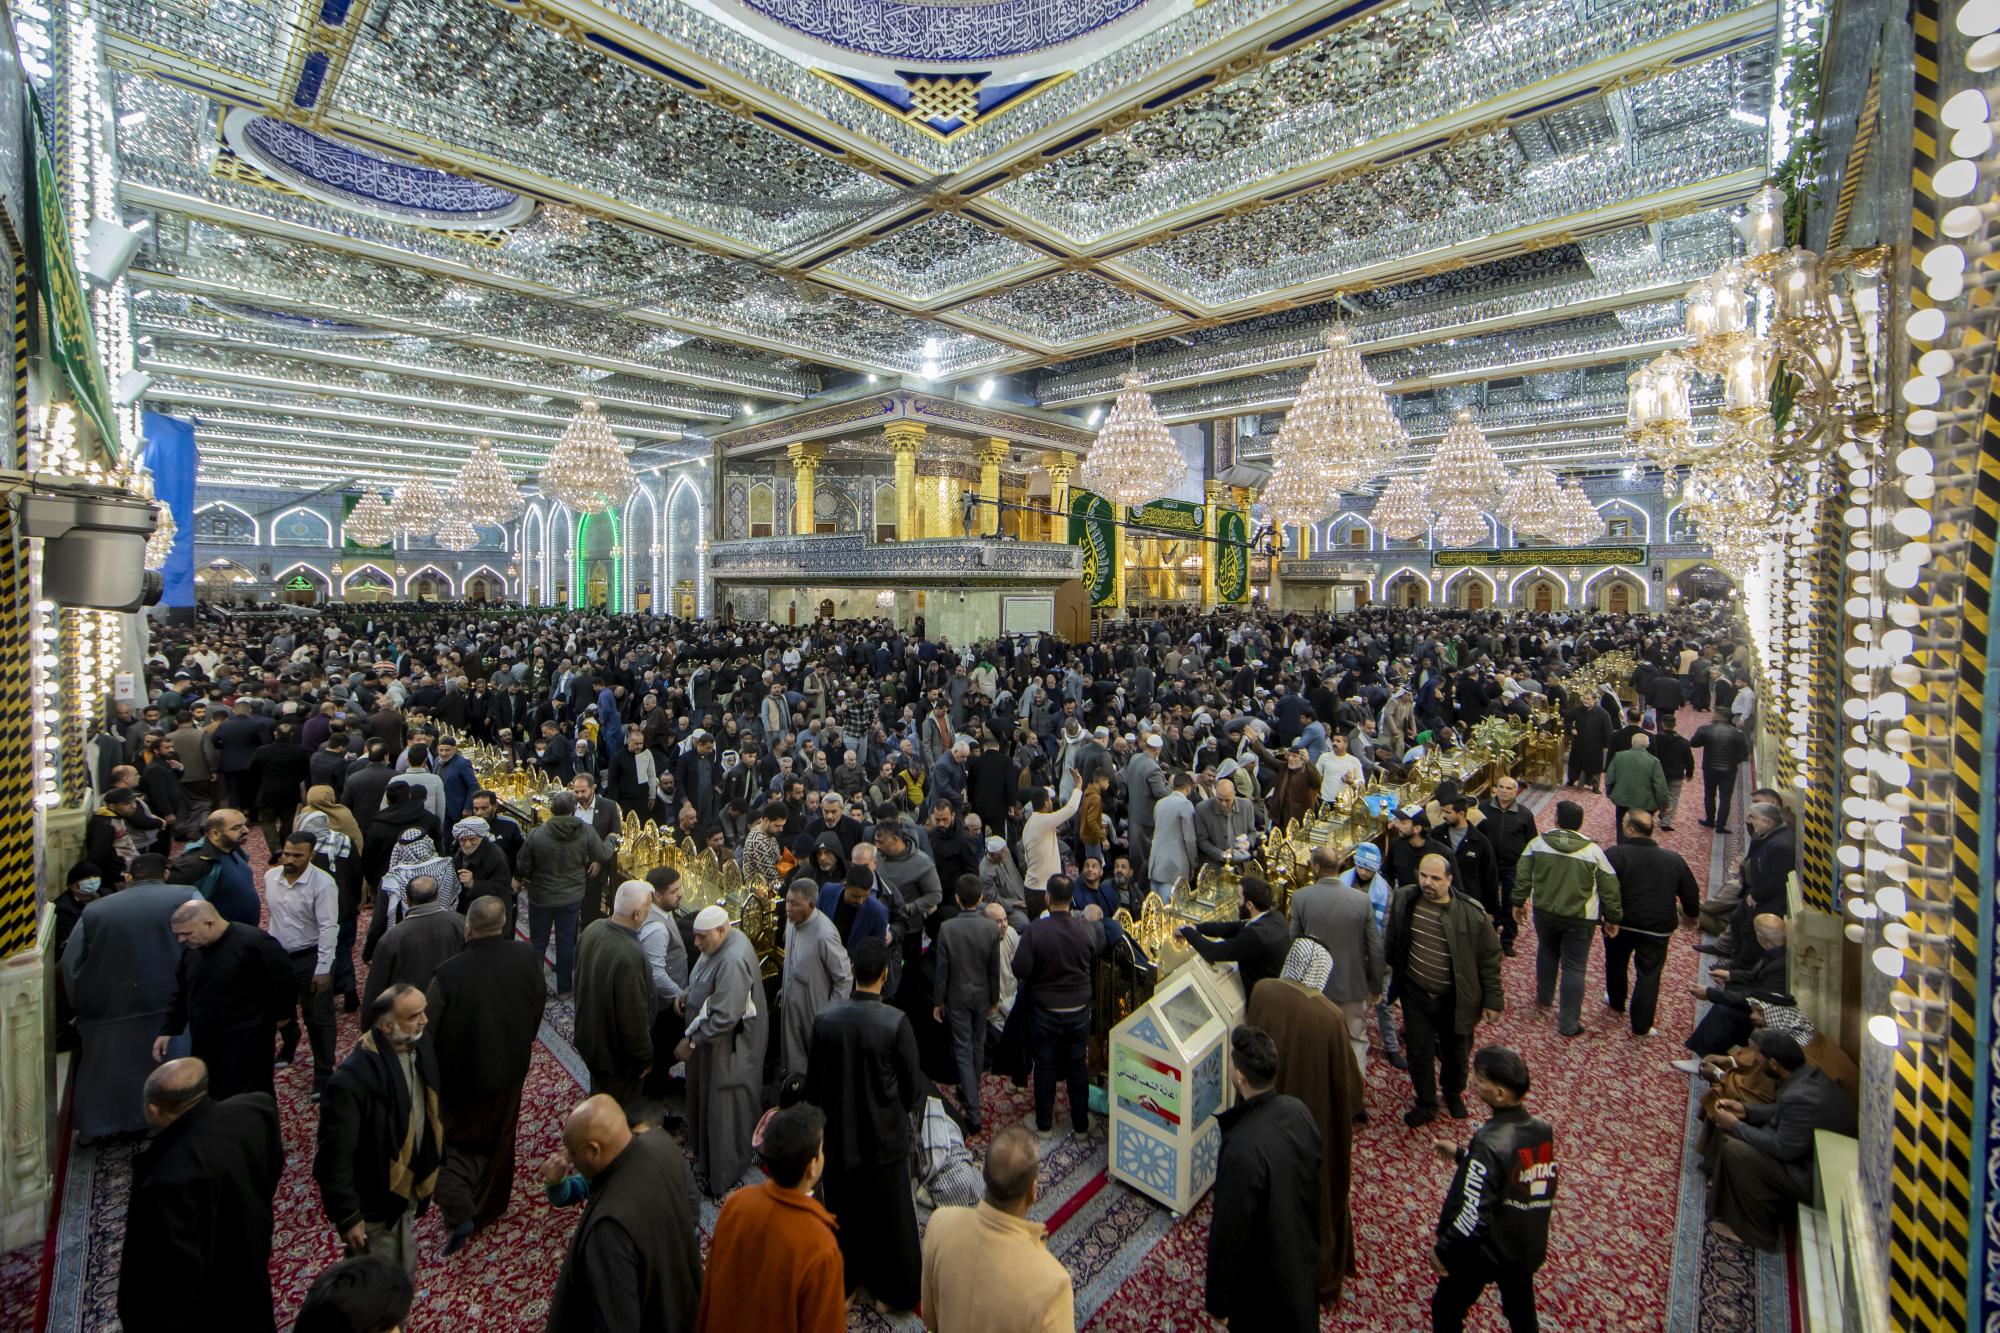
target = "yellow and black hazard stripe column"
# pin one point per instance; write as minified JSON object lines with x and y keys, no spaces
{"x":1818,"y":809}
{"x":18,"y":896}
{"x":1931,"y":1107}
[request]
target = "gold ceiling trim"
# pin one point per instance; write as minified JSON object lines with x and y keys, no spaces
{"x":791,"y":426}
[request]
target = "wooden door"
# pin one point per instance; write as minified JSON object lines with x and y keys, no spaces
{"x":1545,"y":597}
{"x":1620,"y":601}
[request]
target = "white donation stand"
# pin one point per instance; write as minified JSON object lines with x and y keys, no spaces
{"x":1169,"y":1077}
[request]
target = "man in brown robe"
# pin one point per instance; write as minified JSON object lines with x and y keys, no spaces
{"x":1316,"y":1065}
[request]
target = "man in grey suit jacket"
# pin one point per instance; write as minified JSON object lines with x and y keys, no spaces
{"x":1341,"y":920}
{"x":1145,"y":787}
{"x":1174,"y":854}
{"x":1219,"y":821}
{"x":1761,"y":1157}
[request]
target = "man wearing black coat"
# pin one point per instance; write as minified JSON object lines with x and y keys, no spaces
{"x":1510,"y":827}
{"x":862,"y":1070}
{"x":505,"y":831}
{"x":1478,"y":863}
{"x":1257,"y":942}
{"x":1263,"y":1237}
{"x":634,"y":1263}
{"x":380,"y":1140}
{"x":1723,"y":750}
{"x":1651,"y":880}
{"x":363,"y":792}
{"x":198,"y":1223}
{"x":1676,"y":761}
{"x":485,"y":1008}
{"x":233,"y":988}
{"x":403,"y":810}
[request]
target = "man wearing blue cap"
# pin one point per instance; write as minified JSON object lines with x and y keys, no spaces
{"x":1366,"y":875}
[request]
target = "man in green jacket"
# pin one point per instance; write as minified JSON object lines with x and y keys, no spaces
{"x":1572,"y":886}
{"x":1635,"y":781}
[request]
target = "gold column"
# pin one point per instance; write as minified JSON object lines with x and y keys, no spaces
{"x":991,"y":455}
{"x":805,"y":465}
{"x":905,"y":437}
{"x":1060,"y":467}
{"x":1212,"y":493}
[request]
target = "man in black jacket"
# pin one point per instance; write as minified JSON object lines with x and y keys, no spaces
{"x":1263,"y":1238}
{"x":1256,"y":942}
{"x":485,"y":1009}
{"x":1765,"y":875}
{"x":380,"y":1140}
{"x":1054,"y":962}
{"x":1651,"y":880}
{"x":1471,"y":851}
{"x":198,"y":1224}
{"x":233,"y":987}
{"x":1494,"y":1226}
{"x":486,"y":806}
{"x":862,"y":1070}
{"x":1677,"y":761}
{"x":1727,"y":1023}
{"x":367,"y":784}
{"x":1723,"y":750}
{"x":635,"y":1260}
{"x":1510,"y":827}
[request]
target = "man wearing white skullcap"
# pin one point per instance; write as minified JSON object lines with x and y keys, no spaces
{"x":724,"y":1050}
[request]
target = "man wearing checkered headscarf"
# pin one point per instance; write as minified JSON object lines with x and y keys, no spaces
{"x":1316,"y":1065}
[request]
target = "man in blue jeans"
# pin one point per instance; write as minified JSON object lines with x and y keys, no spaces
{"x":1572,"y":887}
{"x":1054,"y":963}
{"x":557,"y":859}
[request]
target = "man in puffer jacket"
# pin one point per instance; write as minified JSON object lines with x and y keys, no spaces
{"x":1573,"y":887}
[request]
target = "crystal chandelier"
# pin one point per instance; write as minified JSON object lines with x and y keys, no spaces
{"x":1341,"y":420}
{"x":1578,"y":521}
{"x":1400,"y":513}
{"x":1459,"y":522}
{"x":1535,"y":502}
{"x":161,"y":542}
{"x":371,"y":522}
{"x":1289,"y":499}
{"x":456,"y":534}
{"x":1133,"y":460}
{"x":484,"y":490}
{"x":588,"y":472}
{"x":1464,"y":466}
{"x":418,"y":509}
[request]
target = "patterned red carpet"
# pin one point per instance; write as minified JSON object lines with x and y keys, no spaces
{"x":1620,"y":1115}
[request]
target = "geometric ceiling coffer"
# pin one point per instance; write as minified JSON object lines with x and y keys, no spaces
{"x":948,"y":33}
{"x":345,"y":176}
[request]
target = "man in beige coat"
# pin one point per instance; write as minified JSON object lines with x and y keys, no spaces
{"x":988,"y":1269}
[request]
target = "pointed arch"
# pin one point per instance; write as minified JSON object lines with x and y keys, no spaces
{"x":1687,"y":525}
{"x":410,"y":579}
{"x":640,"y":537}
{"x":1480,"y":574}
{"x":532,"y":539}
{"x":325,"y":525}
{"x":387,"y":579}
{"x":1645,"y":588}
{"x":1515,"y":582}
{"x":1389,"y":581}
{"x":466,"y":576}
{"x":679,"y":558}
{"x":559,"y":540}
{"x":212,"y":506}
{"x":1619,"y":502}
{"x":301,"y":567}
{"x":1345,"y":523}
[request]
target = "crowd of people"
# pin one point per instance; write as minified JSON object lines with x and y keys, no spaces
{"x":952,"y":831}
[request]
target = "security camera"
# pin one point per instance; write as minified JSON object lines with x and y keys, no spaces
{"x":108,"y":251}
{"x":95,"y":552}
{"x":131,"y":386}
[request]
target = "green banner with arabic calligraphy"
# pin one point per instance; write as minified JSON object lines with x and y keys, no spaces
{"x":1232,"y":557}
{"x":1167,"y":515}
{"x":1540,"y":555}
{"x":1093,"y":525}
{"x":71,"y":345}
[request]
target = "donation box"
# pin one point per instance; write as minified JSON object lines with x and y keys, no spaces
{"x":1168,"y":1079}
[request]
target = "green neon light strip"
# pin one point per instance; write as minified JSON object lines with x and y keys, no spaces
{"x":614,"y":595}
